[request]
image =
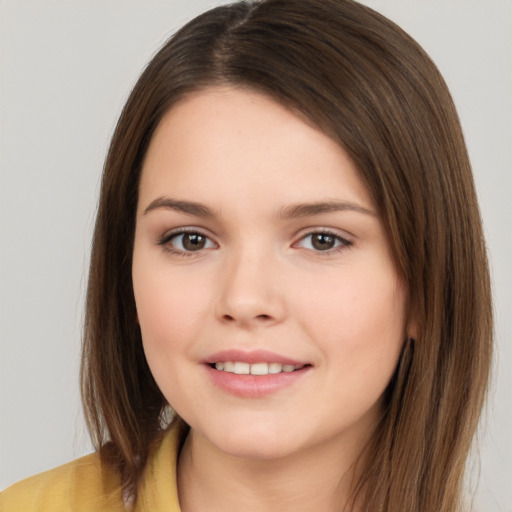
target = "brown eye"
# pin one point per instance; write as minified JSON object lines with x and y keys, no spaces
{"x":323,"y":241}
{"x":190,"y":241}
{"x":193,"y":241}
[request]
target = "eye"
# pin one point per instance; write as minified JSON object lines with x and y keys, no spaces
{"x":186,"y":241}
{"x":323,"y":242}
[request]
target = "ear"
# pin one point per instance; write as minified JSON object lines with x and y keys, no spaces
{"x":412,"y":330}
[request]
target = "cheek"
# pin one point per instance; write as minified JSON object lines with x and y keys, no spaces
{"x":358,"y":322}
{"x":170,"y":311}
{"x":170,"y":308}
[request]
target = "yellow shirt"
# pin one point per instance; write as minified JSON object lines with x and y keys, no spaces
{"x":84,"y":485}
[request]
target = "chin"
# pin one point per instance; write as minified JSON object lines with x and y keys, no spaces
{"x":254,"y":449}
{"x":255,"y":440}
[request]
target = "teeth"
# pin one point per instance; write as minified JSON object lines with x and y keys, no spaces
{"x":259,"y":369}
{"x":242,"y":368}
{"x":255,"y":369}
{"x":275,"y":368}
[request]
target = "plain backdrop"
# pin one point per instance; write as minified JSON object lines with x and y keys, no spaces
{"x":66,"y":68}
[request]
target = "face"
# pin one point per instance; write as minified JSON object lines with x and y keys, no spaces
{"x":271,"y":313}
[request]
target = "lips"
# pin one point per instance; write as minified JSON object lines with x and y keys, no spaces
{"x":254,"y":374}
{"x":252,"y":357}
{"x":263,"y":368}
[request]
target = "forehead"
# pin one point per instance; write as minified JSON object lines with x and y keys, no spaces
{"x":224,"y":142}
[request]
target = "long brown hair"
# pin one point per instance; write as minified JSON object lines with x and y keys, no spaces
{"x":370,"y":87}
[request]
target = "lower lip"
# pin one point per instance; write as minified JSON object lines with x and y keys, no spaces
{"x":254,"y":386}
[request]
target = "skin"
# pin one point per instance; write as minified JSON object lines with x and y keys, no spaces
{"x":260,"y":283}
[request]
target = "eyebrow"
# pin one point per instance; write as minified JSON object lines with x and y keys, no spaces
{"x":189,"y":207}
{"x":310,"y":209}
{"x":289,"y":212}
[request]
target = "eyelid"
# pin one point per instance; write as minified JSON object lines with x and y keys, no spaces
{"x":339,"y":233}
{"x":164,"y":240}
{"x":346,"y":240}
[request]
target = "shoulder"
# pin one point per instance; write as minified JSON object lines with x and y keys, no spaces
{"x":79,"y":486}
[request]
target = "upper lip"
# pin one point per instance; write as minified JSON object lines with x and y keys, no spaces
{"x":251,"y":357}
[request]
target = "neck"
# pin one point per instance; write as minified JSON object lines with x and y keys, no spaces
{"x":317,"y":478}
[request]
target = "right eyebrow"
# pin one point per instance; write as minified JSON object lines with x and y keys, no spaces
{"x":189,"y":207}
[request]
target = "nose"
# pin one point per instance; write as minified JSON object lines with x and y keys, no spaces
{"x":250,"y":293}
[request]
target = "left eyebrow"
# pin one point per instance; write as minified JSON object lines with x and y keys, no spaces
{"x":309,"y":209}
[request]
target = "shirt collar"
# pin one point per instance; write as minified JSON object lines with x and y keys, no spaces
{"x":158,"y":491}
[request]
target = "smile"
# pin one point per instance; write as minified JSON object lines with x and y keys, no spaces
{"x":241,"y":368}
{"x":254,"y":373}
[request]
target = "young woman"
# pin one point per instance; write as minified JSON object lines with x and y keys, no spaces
{"x":288,"y":303}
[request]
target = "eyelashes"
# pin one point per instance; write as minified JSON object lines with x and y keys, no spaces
{"x":323,"y":241}
{"x":186,"y":241}
{"x":192,"y":242}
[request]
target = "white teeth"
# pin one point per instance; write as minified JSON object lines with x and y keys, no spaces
{"x":259,"y":369}
{"x":275,"y":368}
{"x":255,"y":369}
{"x":242,"y":368}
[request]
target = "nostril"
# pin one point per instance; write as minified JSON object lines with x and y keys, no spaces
{"x":263,"y":317}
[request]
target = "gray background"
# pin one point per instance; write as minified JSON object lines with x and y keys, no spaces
{"x":66,"y":68}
